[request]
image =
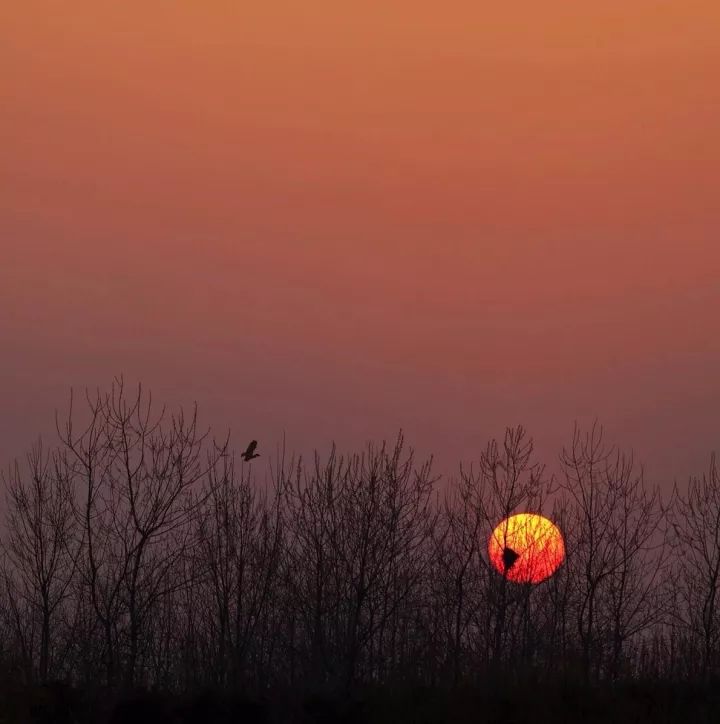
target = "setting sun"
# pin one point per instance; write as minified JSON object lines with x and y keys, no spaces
{"x":526,"y":548}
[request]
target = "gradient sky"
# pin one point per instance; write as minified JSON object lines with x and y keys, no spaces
{"x":337,"y":219}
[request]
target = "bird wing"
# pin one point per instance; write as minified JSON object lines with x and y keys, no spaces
{"x":251,"y":447}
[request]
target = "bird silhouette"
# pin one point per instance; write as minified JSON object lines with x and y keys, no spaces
{"x":509,"y":557}
{"x":250,"y":453}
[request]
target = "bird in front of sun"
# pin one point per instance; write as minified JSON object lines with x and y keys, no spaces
{"x":509,"y":557}
{"x":250,"y":453}
{"x":526,"y":548}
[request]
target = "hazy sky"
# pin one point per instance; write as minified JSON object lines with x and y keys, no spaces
{"x":334,"y":219}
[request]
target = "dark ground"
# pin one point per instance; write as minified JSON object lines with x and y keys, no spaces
{"x":634,"y":703}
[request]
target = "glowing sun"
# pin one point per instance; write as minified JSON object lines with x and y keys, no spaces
{"x":526,"y":548}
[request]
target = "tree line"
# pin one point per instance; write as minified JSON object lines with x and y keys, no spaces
{"x":138,"y":550}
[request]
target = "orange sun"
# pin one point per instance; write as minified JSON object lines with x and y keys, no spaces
{"x":526,"y":548}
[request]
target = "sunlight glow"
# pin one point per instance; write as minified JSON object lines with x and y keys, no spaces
{"x":526,"y":548}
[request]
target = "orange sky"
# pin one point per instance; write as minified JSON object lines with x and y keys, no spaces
{"x":335,"y":219}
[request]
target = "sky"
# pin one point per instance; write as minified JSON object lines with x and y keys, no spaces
{"x":333,"y":220}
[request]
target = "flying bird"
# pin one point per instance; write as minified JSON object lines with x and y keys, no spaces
{"x":250,"y":453}
{"x":509,"y":557}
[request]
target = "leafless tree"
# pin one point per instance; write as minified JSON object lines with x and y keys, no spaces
{"x":139,"y":549}
{"x":615,"y":548}
{"x":634,"y":597}
{"x":138,"y":471}
{"x":359,"y":534}
{"x":40,"y":545}
{"x":239,"y":534}
{"x":479,"y":601}
{"x":696,"y":528}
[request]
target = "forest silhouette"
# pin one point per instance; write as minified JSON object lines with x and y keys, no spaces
{"x":151,"y":574}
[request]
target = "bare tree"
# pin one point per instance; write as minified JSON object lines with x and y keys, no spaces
{"x":696,"y":527}
{"x":477,"y":600}
{"x":359,"y":543}
{"x":139,"y":471}
{"x":460,"y":567}
{"x":139,"y":549}
{"x":508,"y":481}
{"x":40,"y":544}
{"x":239,"y":535}
{"x":385,"y":546}
{"x":634,"y":595}
{"x":309,"y":570}
{"x":616,"y":548}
